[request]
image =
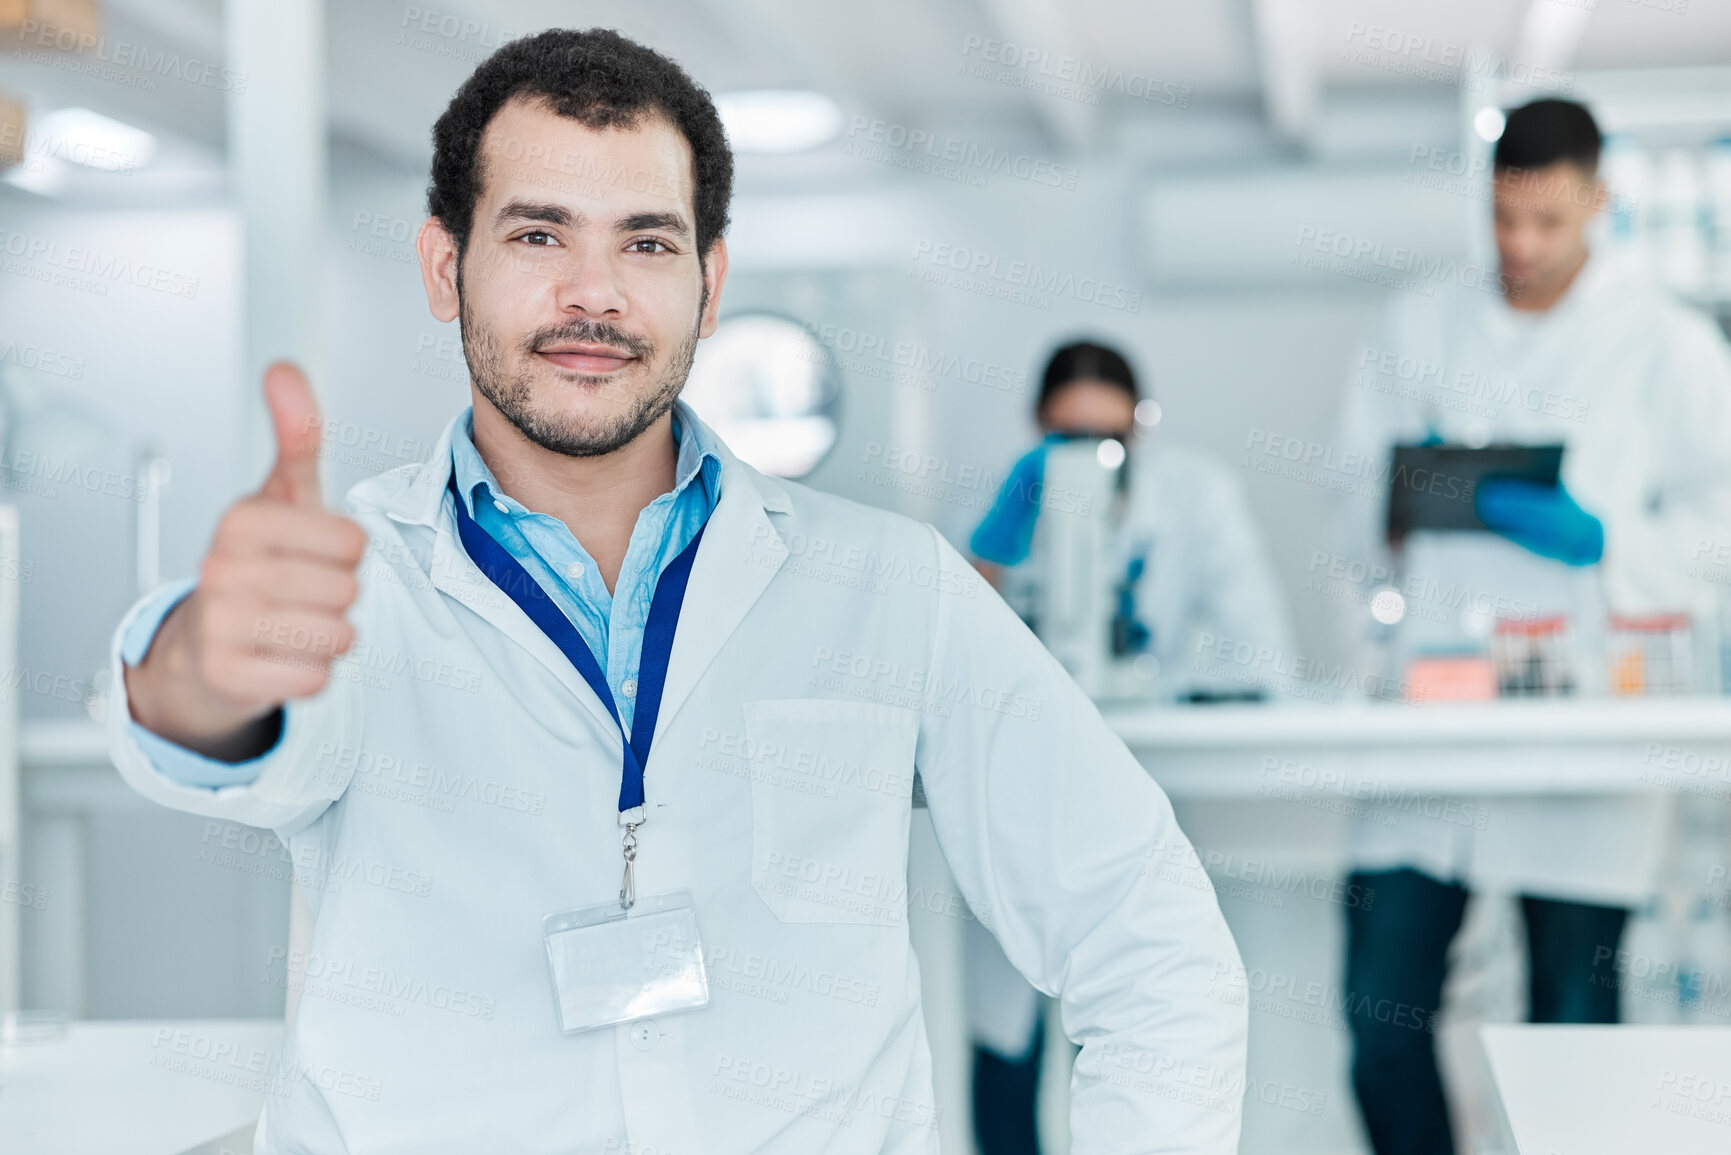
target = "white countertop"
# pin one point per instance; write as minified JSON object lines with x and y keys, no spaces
{"x":135,"y":1087}
{"x":1613,"y":1090}
{"x":1502,"y":722}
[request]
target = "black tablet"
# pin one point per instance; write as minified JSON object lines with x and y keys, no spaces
{"x":1432,"y":486}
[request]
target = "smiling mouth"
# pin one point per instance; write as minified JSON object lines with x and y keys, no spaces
{"x":590,"y":359}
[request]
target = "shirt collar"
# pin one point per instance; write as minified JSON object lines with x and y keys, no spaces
{"x":698,"y":458}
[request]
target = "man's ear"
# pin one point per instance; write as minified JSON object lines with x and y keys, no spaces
{"x":437,"y":249}
{"x":714,"y":275}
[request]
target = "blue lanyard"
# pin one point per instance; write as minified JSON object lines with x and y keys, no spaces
{"x":510,"y":576}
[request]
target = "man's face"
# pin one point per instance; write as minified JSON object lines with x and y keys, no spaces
{"x":580,"y":290}
{"x":1541,"y":220}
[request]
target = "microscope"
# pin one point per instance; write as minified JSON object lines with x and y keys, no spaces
{"x":1078,"y":588}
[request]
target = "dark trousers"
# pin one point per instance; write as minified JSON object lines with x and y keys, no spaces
{"x":1396,"y":958}
{"x":1005,"y":1093}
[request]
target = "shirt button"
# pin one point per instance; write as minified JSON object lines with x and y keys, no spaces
{"x":629,"y":687}
{"x":574,"y":572}
{"x":645,"y":1035}
{"x":501,"y":506}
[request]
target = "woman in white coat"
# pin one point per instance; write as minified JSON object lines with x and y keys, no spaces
{"x":1194,"y":560}
{"x":1569,"y":349}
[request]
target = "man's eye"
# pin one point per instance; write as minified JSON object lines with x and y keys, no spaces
{"x":637,"y":246}
{"x":547,"y":238}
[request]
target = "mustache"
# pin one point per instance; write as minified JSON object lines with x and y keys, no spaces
{"x":592,"y":332}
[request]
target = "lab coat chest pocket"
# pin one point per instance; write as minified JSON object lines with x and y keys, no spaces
{"x":830,"y":805}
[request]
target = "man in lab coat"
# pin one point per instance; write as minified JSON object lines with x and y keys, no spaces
{"x":427,"y":700}
{"x":1193,"y":560}
{"x":1567,"y":348}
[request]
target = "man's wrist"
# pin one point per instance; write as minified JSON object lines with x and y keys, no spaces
{"x":167,"y":695}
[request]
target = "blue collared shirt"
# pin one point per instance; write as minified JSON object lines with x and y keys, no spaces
{"x":611,"y":623}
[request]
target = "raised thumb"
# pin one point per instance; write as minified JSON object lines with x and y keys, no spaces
{"x":294,"y":413}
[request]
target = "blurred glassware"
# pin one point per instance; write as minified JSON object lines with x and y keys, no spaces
{"x":1534,"y":657}
{"x":1651,"y":653}
{"x":1460,"y":677}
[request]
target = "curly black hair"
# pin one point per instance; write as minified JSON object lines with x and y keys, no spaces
{"x":596,"y":77}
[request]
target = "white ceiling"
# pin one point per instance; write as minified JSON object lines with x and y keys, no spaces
{"x":1282,"y":63}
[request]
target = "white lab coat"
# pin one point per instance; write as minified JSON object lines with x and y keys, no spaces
{"x":457,"y":781}
{"x":1638,"y":389}
{"x":1207,"y":571}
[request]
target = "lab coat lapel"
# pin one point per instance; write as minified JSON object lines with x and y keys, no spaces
{"x":740,"y":553}
{"x":456,"y":575}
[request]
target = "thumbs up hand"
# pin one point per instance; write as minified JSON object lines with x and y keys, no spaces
{"x":267,"y":616}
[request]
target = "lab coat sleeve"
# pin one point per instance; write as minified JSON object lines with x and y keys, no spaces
{"x":1659,"y":540}
{"x":1064,"y":847}
{"x":283,"y":790}
{"x":173,"y":761}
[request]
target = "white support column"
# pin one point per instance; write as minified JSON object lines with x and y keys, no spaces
{"x":277,"y":162}
{"x":12,"y":879}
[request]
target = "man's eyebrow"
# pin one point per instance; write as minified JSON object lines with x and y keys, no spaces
{"x":520,"y":210}
{"x":669,"y":222}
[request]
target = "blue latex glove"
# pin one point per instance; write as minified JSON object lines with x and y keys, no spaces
{"x":1007,"y":533}
{"x":1542,"y":518}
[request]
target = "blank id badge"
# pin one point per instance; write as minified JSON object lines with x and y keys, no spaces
{"x":611,"y":965}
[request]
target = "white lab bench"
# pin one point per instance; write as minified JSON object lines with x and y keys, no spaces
{"x":1571,"y":746}
{"x":1612,"y":1090}
{"x":138,"y":1088}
